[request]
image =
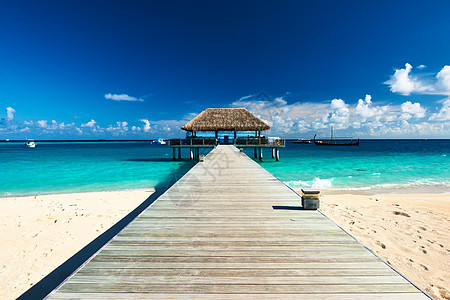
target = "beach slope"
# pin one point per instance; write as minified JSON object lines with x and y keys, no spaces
{"x":411,"y":232}
{"x":39,"y":233}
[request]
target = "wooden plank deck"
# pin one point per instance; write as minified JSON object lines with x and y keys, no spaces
{"x":229,"y":229}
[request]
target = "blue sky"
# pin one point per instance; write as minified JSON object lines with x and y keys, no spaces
{"x":141,"y":69}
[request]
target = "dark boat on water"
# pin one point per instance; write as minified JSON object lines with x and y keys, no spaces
{"x":336,"y":141}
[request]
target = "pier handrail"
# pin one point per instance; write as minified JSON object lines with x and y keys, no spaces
{"x":196,"y":141}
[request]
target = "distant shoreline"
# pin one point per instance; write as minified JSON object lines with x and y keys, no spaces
{"x":432,"y":190}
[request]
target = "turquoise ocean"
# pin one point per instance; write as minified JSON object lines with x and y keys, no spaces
{"x":63,"y":167}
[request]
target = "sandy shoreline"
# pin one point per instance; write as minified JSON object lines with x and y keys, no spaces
{"x":38,"y":233}
{"x":409,"y":231}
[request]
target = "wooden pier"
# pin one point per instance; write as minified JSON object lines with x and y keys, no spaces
{"x":229,"y":229}
{"x":258,"y":145}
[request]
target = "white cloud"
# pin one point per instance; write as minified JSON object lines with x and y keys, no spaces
{"x":246,"y":97}
{"x":122,"y":97}
{"x":42,"y":123}
{"x":146,"y":125}
{"x":365,"y":118}
{"x":339,"y":114}
{"x":274,"y":112}
{"x":443,"y":80}
{"x":410,"y":110}
{"x":420,"y":67}
{"x":403,"y":83}
{"x":10,"y":113}
{"x":444,"y":112}
{"x":118,"y":129}
{"x":366,"y":110}
{"x":90,"y":124}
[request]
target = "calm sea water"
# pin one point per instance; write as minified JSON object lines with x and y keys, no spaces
{"x":81,"y":167}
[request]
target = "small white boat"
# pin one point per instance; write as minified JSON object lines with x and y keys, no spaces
{"x":30,"y":143}
{"x":161,"y":141}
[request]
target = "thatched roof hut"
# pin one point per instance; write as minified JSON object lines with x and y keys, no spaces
{"x":225,"y":119}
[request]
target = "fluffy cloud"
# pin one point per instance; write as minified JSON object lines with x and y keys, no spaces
{"x":443,"y":80}
{"x":119,"y":128}
{"x":55,"y":129}
{"x":339,"y":115}
{"x":366,"y":110}
{"x":122,"y":97}
{"x":10,"y":113}
{"x":444,"y":112}
{"x":42,"y":123}
{"x":403,"y":83}
{"x":364,"y":118}
{"x":281,"y":116}
{"x":90,"y":124}
{"x":410,"y":110}
{"x":146,"y":127}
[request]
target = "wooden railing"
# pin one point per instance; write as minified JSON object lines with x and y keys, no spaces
{"x":194,"y":142}
{"x":249,"y":141}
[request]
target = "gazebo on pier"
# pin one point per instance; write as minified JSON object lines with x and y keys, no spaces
{"x":235,"y":126}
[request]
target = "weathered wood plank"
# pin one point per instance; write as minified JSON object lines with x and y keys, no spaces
{"x":229,"y":229}
{"x":305,"y":272}
{"x":267,"y":279}
{"x":238,"y":288}
{"x":164,"y":296}
{"x":236,"y":265}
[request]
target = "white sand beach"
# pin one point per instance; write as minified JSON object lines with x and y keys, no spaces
{"x":409,"y":231}
{"x":39,"y":233}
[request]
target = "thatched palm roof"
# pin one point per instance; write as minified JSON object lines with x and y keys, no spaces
{"x":224,"y":119}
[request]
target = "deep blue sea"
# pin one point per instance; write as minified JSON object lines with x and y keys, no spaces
{"x":82,"y":167}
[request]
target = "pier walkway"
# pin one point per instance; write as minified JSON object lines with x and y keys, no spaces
{"x":230,"y":229}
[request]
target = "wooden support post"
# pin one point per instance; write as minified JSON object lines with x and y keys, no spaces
{"x":173,"y":150}
{"x":191,"y":154}
{"x":256,"y":152}
{"x":179,"y":153}
{"x":277,"y":154}
{"x":260,"y":154}
{"x":273,"y":152}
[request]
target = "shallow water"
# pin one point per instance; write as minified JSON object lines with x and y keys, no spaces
{"x":84,"y":167}
{"x":375,"y":164}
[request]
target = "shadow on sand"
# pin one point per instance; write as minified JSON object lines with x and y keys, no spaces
{"x":50,"y":282}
